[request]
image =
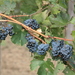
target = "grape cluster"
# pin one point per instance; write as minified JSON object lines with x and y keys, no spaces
{"x":66,"y":52}
{"x":42,"y":48}
{"x":31,"y":23}
{"x":34,"y":47}
{"x":59,"y":48}
{"x":32,"y":43}
{"x":5,"y":31}
{"x":56,"y":46}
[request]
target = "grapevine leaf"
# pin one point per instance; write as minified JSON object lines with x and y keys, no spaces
{"x":42,"y":70}
{"x":49,"y":62}
{"x":23,"y":40}
{"x":7,"y":7}
{"x":73,"y":34}
{"x":55,"y":9}
{"x":47,"y":33}
{"x":49,"y":65}
{"x":63,"y":3}
{"x":44,"y":14}
{"x":28,"y":6}
{"x":17,"y":28}
{"x":60,"y":66}
{"x":39,"y":3}
{"x":46,"y":22}
{"x":53,"y":1}
{"x":68,"y":71}
{"x":49,"y":73}
{"x":35,"y":63}
{"x":37,"y":56}
{"x":38,"y":17}
{"x":73,"y":20}
{"x":19,"y":38}
{"x":58,"y":22}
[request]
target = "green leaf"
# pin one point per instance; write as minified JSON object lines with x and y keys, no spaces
{"x":28,"y":6}
{"x":39,"y":57}
{"x":35,"y":63}
{"x":68,"y":71}
{"x":19,"y":38}
{"x":49,"y":73}
{"x":44,"y":14}
{"x":63,"y":3}
{"x":49,"y":65}
{"x":38,"y":17}
{"x":55,"y":9}
{"x":42,"y":70}
{"x":17,"y":28}
{"x":46,"y":22}
{"x":73,"y":34}
{"x":73,"y":20}
{"x":60,"y":66}
{"x":39,"y":3}
{"x":7,"y":7}
{"x":23,"y":40}
{"x":53,"y":1}
{"x":47,"y":33}
{"x":57,"y":21}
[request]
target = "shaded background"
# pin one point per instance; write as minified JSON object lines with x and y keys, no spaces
{"x":15,"y":59}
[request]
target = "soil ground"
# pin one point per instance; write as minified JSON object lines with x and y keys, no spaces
{"x":15,"y":60}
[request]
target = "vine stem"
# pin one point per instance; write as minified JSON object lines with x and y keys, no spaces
{"x":7,"y":21}
{"x":23,"y":25}
{"x":40,"y":10}
{"x":37,"y":37}
{"x":60,"y":38}
{"x":30,"y":29}
{"x":18,"y":15}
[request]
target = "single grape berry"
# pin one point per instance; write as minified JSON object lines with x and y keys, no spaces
{"x":31,"y":23}
{"x":42,"y":48}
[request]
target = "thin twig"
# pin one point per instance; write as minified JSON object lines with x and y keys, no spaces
{"x":23,"y":25}
{"x":60,"y":38}
{"x":39,"y":11}
{"x":18,"y":15}
{"x":30,"y":29}
{"x":30,"y":14}
{"x":37,"y":38}
{"x":7,"y":21}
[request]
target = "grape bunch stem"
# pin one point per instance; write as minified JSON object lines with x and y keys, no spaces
{"x":37,"y":38}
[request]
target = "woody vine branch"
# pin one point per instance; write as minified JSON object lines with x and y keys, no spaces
{"x":30,"y":29}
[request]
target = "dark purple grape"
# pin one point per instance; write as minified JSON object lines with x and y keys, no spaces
{"x":42,"y":48}
{"x":32,"y":45}
{"x":31,"y":23}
